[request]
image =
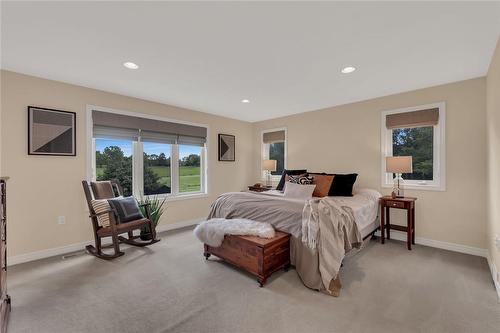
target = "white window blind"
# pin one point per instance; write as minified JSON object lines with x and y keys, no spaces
{"x":273,"y":137}
{"x":104,"y":132}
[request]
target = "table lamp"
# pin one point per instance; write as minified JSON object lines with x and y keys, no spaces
{"x":269,"y":166}
{"x":398,"y":165}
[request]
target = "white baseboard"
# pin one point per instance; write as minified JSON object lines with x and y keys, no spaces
{"x":179,"y":225}
{"x":15,"y":260}
{"x":57,"y":251}
{"x":401,"y":236}
{"x":475,"y":251}
{"x":494,"y":274}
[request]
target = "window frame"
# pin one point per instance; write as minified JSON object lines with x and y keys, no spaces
{"x":138,"y":163}
{"x":439,"y":150}
{"x":265,"y":152}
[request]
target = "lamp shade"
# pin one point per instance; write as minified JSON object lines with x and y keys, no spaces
{"x":398,"y":164}
{"x":269,"y":165}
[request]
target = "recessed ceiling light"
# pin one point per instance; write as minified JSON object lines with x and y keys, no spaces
{"x":348,"y":69}
{"x":245,"y":101}
{"x":130,"y":65}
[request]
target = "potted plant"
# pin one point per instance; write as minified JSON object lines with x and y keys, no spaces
{"x":156,"y":209}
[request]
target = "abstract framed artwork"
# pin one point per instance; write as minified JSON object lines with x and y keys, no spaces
{"x":227,"y":147}
{"x":51,"y":132}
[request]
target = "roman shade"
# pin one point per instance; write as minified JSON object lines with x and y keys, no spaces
{"x":420,"y":118}
{"x":104,"y":132}
{"x":107,"y":124}
{"x":273,"y":137}
{"x":190,"y":140}
{"x":147,"y":136}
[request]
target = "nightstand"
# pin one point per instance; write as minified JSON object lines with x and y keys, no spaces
{"x":407,"y":203}
{"x":259,"y":188}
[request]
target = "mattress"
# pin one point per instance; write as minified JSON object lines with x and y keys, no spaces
{"x":364,"y":205}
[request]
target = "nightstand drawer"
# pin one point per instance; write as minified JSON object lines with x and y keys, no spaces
{"x":395,"y":204}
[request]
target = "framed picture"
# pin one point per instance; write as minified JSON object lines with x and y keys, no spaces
{"x":226,"y":147}
{"x":51,"y":132}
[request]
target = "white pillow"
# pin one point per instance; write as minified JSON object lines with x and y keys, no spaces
{"x":298,"y":191}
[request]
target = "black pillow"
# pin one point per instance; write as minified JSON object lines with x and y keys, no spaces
{"x":342,"y":185}
{"x":126,"y":209}
{"x":281,"y":184}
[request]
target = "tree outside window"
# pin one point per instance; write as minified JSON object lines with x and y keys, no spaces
{"x":277,"y":152}
{"x":114,"y":162}
{"x":418,"y":143}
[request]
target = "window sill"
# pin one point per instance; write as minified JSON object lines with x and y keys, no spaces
{"x":417,"y":187}
{"x":179,"y":197}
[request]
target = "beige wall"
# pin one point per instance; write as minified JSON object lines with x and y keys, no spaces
{"x":43,"y":188}
{"x":340,"y":139}
{"x":347,"y":139}
{"x":493,"y":144}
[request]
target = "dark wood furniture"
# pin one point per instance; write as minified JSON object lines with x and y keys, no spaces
{"x":258,"y":256}
{"x":262,"y":188}
{"x":107,"y":190}
{"x":407,"y":203}
{"x":4,"y":298}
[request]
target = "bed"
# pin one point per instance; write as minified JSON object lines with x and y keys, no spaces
{"x":285,"y":215}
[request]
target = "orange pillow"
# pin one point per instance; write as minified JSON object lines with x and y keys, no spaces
{"x":323,"y":184}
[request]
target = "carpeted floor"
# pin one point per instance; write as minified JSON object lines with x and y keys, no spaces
{"x":171,"y":288}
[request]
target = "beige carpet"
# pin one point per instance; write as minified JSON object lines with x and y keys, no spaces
{"x":171,"y":288}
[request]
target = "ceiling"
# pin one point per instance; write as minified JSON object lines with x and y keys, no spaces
{"x":283,"y":57}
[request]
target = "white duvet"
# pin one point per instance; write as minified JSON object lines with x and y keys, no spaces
{"x":364,"y":204}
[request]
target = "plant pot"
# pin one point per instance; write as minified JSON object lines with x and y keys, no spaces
{"x":146,"y":234}
{"x":146,"y":237}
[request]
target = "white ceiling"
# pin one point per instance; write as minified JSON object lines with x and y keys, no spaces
{"x":284,"y":57}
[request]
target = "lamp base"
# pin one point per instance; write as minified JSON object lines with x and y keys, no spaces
{"x":398,"y":187}
{"x":268,"y":180}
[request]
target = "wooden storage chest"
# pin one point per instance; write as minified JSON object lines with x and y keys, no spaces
{"x":258,"y":256}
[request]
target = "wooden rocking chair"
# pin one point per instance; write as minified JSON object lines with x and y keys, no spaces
{"x":107,"y":190}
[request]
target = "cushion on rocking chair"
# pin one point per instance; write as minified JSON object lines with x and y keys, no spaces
{"x":101,"y":206}
{"x":126,"y":208}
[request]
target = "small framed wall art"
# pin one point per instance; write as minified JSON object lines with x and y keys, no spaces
{"x":227,"y":147}
{"x":51,"y":132}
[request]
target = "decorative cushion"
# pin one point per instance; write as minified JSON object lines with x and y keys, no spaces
{"x":126,"y":209}
{"x":323,"y":183}
{"x":287,"y":178}
{"x":281,"y":184}
{"x":100,"y":206}
{"x":298,"y":191}
{"x":304,"y":179}
{"x":342,"y":185}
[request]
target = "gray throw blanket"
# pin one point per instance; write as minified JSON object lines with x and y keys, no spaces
{"x":331,"y":228}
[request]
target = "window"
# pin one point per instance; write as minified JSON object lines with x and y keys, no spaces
{"x":189,"y":168}
{"x":274,"y":148}
{"x":416,"y":132}
{"x":156,"y":168}
{"x":113,"y":159}
{"x":146,"y":162}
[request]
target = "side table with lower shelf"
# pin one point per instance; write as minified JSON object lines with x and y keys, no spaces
{"x":406,"y":203}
